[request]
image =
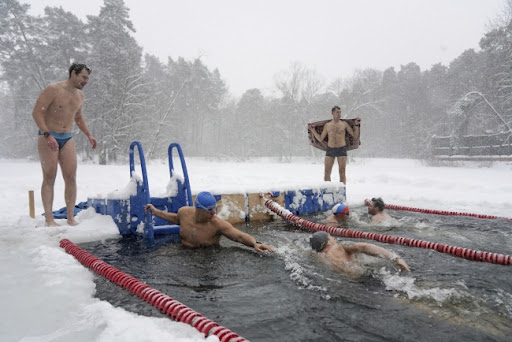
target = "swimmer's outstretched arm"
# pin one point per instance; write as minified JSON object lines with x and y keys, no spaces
{"x":377,"y":251}
{"x":234,"y":234}
{"x":171,"y":217}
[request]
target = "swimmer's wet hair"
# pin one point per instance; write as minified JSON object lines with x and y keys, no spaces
{"x":78,"y":67}
{"x":379,"y":203}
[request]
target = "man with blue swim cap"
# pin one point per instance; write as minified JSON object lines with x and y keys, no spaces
{"x":201,"y":227}
{"x":343,"y":257}
{"x":206,"y":201}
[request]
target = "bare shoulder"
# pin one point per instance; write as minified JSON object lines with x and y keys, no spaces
{"x":47,"y":96}
{"x":52,"y":89}
{"x":185,"y":211}
{"x":357,"y":247}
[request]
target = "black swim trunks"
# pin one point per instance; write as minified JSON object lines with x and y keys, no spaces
{"x":336,"y":151}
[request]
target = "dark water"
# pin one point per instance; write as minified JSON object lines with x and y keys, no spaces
{"x":292,"y":296}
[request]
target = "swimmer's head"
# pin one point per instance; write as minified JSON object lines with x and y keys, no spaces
{"x":206,"y":201}
{"x":77,"y":68}
{"x":378,"y":203}
{"x":340,"y":210}
{"x":318,"y":241}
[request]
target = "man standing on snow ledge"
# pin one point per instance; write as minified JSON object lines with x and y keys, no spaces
{"x":56,"y":108}
{"x":336,"y":143}
{"x":200,"y":227}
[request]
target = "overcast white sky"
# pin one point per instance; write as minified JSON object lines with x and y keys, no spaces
{"x":250,"y":41}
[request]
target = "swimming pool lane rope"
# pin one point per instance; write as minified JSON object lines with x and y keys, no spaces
{"x":465,"y":253}
{"x":172,"y":308}
{"x":439,"y":212}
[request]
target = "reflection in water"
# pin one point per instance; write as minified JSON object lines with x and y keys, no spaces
{"x":292,"y":296}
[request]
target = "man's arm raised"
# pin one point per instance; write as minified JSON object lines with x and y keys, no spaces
{"x":319,"y":137}
{"x":354,"y":132}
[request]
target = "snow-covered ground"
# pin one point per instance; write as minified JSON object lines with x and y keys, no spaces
{"x":46,"y":295}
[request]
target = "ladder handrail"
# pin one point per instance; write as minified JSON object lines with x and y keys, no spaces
{"x":183,"y":166}
{"x":148,"y":222}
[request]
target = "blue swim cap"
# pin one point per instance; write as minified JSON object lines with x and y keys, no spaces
{"x":340,"y":210}
{"x":206,"y":201}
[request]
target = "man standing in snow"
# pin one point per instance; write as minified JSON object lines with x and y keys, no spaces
{"x":335,"y":131}
{"x":200,"y":227}
{"x":56,"y":107}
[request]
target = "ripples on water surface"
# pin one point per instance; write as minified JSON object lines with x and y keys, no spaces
{"x":292,"y":296}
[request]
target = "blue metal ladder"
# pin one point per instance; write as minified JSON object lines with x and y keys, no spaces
{"x":154,"y":226}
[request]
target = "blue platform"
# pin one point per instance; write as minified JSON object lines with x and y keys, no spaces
{"x":128,"y":213}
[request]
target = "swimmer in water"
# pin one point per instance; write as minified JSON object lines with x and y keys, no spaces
{"x":343,"y":257}
{"x":376,"y":209}
{"x":339,"y":215}
{"x":201,"y":227}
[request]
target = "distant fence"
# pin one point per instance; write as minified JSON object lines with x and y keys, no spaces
{"x":473,"y":145}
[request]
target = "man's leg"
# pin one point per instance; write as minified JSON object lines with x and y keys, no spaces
{"x":68,"y":164}
{"x":49,"y":161}
{"x":342,"y":164}
{"x":329,"y":162}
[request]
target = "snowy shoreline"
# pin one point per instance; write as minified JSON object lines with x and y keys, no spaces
{"x":47,"y":295}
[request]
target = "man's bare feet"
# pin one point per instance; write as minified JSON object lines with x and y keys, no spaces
{"x":72,"y":222}
{"x":52,"y":223}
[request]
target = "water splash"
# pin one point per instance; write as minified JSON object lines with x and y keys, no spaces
{"x":408,"y":286}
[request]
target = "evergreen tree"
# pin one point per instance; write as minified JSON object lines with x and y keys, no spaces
{"x":116,"y":102}
{"x":33,"y":54}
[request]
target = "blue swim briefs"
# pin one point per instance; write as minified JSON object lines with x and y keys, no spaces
{"x":62,"y":138}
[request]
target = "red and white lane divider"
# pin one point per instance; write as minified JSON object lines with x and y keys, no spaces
{"x":465,"y":253}
{"x":172,"y":308}
{"x":439,"y":212}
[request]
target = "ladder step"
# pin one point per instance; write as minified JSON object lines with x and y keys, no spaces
{"x":166,"y":229}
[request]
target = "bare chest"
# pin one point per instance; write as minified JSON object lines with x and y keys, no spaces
{"x":65,"y":105}
{"x":336,"y":129}
{"x":193,"y":234}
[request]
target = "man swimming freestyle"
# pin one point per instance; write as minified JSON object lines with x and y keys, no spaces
{"x":201,"y":227}
{"x":336,"y":143}
{"x":56,"y":107}
{"x":342,"y":257}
